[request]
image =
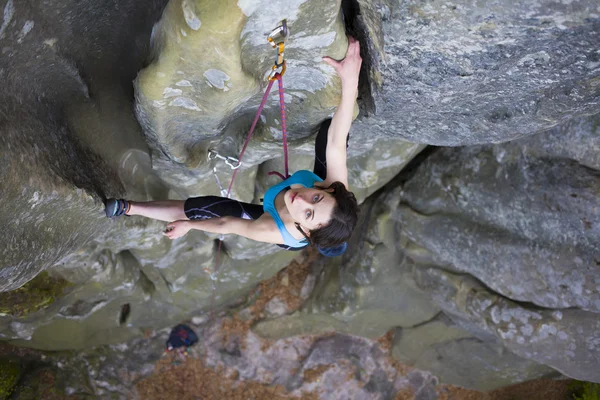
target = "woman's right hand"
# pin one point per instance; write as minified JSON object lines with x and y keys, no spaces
{"x":349,"y":68}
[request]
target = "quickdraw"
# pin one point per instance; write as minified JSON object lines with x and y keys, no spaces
{"x":280,"y":65}
{"x":233,"y":163}
{"x":277,"y":71}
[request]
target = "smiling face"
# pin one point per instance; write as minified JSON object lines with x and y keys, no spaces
{"x":310,"y":207}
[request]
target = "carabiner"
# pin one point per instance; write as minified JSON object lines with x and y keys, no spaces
{"x":279,"y":60}
{"x":233,"y":162}
{"x":280,"y":64}
{"x":277,"y":70}
{"x":212,"y":154}
{"x":281,"y":29}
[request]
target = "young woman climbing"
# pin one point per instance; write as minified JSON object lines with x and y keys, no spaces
{"x":307,"y":208}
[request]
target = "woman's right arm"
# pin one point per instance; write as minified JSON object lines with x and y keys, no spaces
{"x":348,"y":69}
{"x":262,"y":229}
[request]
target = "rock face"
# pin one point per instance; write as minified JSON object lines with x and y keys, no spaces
{"x":332,"y":366}
{"x":455,"y":355}
{"x":485,"y":251}
{"x":66,"y":125}
{"x":526,"y":224}
{"x":522,"y":218}
{"x":126,"y":276}
{"x":566,"y":340}
{"x":206,"y":84}
{"x":489,"y":249}
{"x":470,"y":72}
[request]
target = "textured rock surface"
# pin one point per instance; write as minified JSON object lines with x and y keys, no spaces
{"x":456,"y":356}
{"x":472,"y":72}
{"x":332,"y":366}
{"x":501,"y":239}
{"x":366,"y":292}
{"x":210,"y":76}
{"x":523,"y":219}
{"x":373,"y":290}
{"x":525,"y":222}
{"x":127,"y":277}
{"x":67,"y":93}
{"x":567,"y":340}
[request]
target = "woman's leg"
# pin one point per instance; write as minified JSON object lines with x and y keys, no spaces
{"x":166,"y":210}
{"x":203,"y":207}
{"x":206,"y":207}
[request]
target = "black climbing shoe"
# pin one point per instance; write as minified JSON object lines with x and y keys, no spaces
{"x":116,"y":207}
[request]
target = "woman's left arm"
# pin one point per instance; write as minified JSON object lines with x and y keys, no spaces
{"x":262,"y":229}
{"x":348,"y":69}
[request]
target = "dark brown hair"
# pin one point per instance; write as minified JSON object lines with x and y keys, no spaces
{"x":343,"y":219}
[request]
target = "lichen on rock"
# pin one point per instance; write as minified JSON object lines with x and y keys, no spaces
{"x":10,"y":372}
{"x":36,"y":294}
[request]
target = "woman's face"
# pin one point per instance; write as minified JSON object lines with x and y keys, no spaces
{"x":310,"y":207}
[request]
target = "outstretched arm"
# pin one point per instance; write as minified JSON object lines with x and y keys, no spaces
{"x":348,"y":69}
{"x":262,"y":229}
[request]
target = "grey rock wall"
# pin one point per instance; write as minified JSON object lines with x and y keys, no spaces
{"x":107,"y":99}
{"x":482,"y":258}
{"x":521,"y":218}
{"x":56,"y":181}
{"x":474,"y":72}
{"x":66,"y":121}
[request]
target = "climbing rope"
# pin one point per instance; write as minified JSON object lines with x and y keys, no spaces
{"x":276,"y":74}
{"x":277,"y":71}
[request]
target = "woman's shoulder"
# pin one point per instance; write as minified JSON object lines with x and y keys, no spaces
{"x":266,"y":222}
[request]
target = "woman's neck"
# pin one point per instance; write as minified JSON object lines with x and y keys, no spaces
{"x":281,"y":207}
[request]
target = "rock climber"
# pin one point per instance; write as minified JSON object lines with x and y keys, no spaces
{"x":308,"y":208}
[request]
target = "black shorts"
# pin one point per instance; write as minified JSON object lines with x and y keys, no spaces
{"x":206,"y":207}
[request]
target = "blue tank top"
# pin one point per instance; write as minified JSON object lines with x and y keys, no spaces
{"x":302,"y":177}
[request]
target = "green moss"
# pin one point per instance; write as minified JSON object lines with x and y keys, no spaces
{"x":38,"y":293}
{"x":585,"y":390}
{"x":10,"y":371}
